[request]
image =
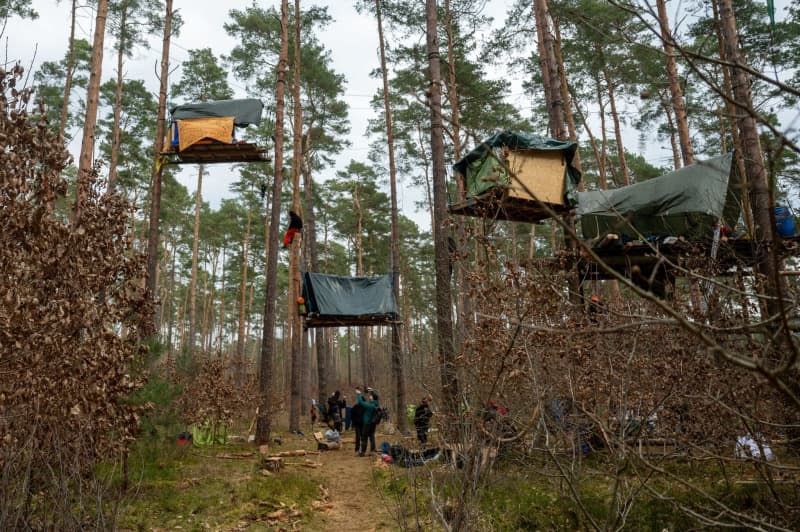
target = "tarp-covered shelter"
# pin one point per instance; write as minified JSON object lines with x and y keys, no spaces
{"x":510,"y":175}
{"x":335,"y":301}
{"x":685,"y":203}
{"x":203,"y":132}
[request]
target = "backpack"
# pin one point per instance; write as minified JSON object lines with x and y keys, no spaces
{"x":379,"y":414}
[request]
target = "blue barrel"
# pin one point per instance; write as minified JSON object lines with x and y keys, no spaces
{"x":784,"y":223}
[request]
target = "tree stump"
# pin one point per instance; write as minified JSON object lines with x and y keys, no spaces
{"x":272,"y":463}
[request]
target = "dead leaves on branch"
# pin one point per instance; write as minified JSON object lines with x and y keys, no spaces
{"x":70,"y":296}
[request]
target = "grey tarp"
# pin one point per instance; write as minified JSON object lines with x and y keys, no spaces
{"x":336,"y":296}
{"x":483,"y":158}
{"x":686,"y":202}
{"x":245,"y":112}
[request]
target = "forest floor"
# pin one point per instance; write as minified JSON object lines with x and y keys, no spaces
{"x":355,"y":494}
{"x":225,"y":487}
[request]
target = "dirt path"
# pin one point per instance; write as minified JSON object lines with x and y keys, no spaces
{"x":356,"y":503}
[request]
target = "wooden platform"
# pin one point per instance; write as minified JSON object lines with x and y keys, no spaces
{"x":311,"y":322}
{"x":499,"y":204}
{"x":241,"y":152}
{"x":731,"y":255}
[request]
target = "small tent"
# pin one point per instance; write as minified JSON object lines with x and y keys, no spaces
{"x":334,"y":300}
{"x":203,"y":132}
{"x":510,"y":175}
{"x":685,"y":203}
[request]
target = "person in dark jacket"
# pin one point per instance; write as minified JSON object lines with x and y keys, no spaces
{"x":422,"y":420}
{"x":357,"y":419}
{"x":335,"y":410}
{"x":295,"y":226}
{"x":368,"y":427}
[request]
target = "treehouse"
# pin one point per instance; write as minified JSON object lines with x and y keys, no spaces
{"x":655,"y":230}
{"x":204,"y":133}
{"x":513,"y":176}
{"x":337,"y":301}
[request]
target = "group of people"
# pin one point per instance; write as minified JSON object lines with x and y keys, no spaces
{"x":364,"y":417}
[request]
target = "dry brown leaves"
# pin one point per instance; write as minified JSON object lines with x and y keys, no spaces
{"x":70,"y":294}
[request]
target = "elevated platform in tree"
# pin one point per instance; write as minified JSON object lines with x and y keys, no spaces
{"x":653,"y":265}
{"x":241,"y":152}
{"x":339,"y":301}
{"x":498,"y":204}
{"x":511,"y":176}
{"x":315,"y":321}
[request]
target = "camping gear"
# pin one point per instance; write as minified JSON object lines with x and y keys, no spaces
{"x":784,"y":223}
{"x":688,"y":202}
{"x":509,"y":174}
{"x":245,"y":112}
{"x":334,"y":300}
{"x":203,"y":132}
{"x":210,"y":433}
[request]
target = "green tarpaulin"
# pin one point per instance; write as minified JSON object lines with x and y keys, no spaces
{"x":483,"y":161}
{"x":245,"y":112}
{"x":210,"y":433}
{"x":334,"y":296}
{"x":686,"y":202}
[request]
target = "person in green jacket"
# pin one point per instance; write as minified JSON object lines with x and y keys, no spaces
{"x":368,"y":404}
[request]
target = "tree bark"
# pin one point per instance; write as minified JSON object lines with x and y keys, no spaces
{"x":155,"y":177}
{"x":62,"y":123}
{"x":754,"y":159}
{"x":264,"y":417}
{"x":313,"y":254}
{"x":294,"y":261}
{"x":397,"y":354}
{"x":678,"y":103}
{"x":444,"y":316}
{"x":116,"y":128}
{"x":85,"y":159}
{"x":240,"y":339}
{"x":198,"y":204}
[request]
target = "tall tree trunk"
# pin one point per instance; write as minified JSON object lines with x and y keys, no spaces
{"x":464,"y":321}
{"x":155,"y":177}
{"x":62,"y":122}
{"x":264,"y":417}
{"x":612,"y":102}
{"x":92,"y":98}
{"x":397,"y":355}
{"x":731,"y":108}
{"x":754,"y":159}
{"x":198,"y":204}
{"x":313,"y":254}
{"x":240,"y":341}
{"x":294,"y":261}
{"x":116,"y":128}
{"x":565,"y":96}
{"x":444,"y":315}
{"x":557,"y":127}
{"x":221,"y":330}
{"x":673,"y":142}
{"x":678,"y":103}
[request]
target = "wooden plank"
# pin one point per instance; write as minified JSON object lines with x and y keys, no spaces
{"x":217,"y":153}
{"x":540,"y":171}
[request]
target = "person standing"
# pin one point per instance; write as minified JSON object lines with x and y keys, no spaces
{"x":368,"y":427}
{"x":357,"y":419}
{"x":334,"y":411}
{"x":422,"y":420}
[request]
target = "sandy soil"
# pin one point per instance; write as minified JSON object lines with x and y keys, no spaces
{"x":354,"y":497}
